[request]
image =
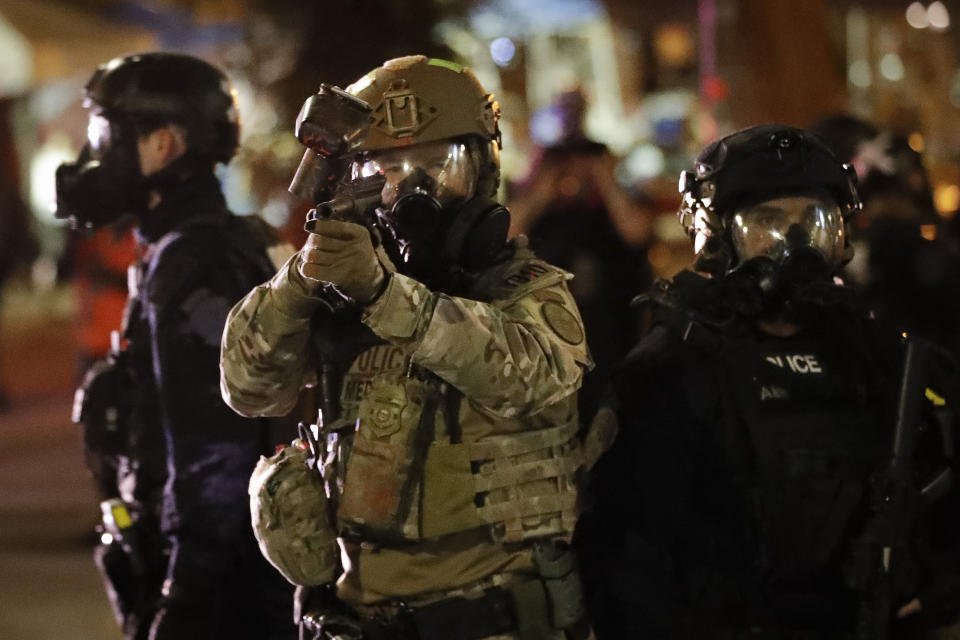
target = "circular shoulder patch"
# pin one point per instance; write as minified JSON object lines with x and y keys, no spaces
{"x":562,"y":322}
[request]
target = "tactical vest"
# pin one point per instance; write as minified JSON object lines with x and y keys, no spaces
{"x":802,"y":429}
{"x":410,"y":458}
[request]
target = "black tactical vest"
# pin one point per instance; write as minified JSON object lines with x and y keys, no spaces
{"x":804,"y":422}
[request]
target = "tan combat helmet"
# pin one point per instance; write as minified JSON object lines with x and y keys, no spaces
{"x":417,"y":99}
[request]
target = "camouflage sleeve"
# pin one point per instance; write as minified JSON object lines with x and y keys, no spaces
{"x":514,"y":356}
{"x":265,"y":356}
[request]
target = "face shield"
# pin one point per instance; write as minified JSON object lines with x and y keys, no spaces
{"x":779,"y":227}
{"x":445,"y":170}
{"x":424,"y":188}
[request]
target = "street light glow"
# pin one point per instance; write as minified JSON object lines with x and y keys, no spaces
{"x":917,"y":16}
{"x":938,"y":16}
{"x":891,"y":67}
{"x":502,"y":51}
{"x":859,"y":74}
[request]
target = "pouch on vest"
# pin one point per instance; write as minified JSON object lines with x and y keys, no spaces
{"x":394,"y":428}
{"x":288,"y":508}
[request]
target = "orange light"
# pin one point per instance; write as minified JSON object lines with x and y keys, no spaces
{"x":916,"y":141}
{"x":674,"y":45}
{"x":946,"y":198}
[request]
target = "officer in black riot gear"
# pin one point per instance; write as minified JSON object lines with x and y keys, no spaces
{"x":743,"y":495}
{"x":171,"y":459}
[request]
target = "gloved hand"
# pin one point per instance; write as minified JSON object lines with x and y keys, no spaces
{"x":342,"y":254}
{"x":323,"y":616}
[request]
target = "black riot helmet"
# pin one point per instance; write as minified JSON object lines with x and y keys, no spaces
{"x":758,"y":164}
{"x":130,"y":97}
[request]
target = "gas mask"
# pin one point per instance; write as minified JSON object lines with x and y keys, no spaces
{"x":433,"y":220}
{"x":412,"y":153}
{"x":788,"y":244}
{"x":105,"y":182}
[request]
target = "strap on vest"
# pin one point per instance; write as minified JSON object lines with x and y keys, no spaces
{"x":426,"y":430}
{"x":451,"y":415}
{"x":513,"y":512}
{"x":520,"y":443}
{"x":538,"y":469}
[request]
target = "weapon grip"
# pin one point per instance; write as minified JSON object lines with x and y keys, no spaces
{"x":311,"y":222}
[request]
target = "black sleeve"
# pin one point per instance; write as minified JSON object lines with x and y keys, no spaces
{"x":642,"y":492}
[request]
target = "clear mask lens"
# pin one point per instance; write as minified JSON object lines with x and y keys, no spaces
{"x":445,"y":170}
{"x":775,"y":227}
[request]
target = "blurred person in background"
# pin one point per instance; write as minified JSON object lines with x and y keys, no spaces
{"x":436,"y":495}
{"x":907,"y":258}
{"x":96,"y":263}
{"x":577,"y":217}
{"x":173,"y":462}
{"x":764,"y":484}
{"x":18,"y":247}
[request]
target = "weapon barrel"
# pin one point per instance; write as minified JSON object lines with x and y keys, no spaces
{"x":910,"y":404}
{"x":353,"y":203}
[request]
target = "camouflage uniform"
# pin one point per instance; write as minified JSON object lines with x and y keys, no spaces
{"x":503,"y":366}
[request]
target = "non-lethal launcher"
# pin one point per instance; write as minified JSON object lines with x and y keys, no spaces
{"x":898,"y":496}
{"x":329,"y":124}
{"x":354,"y":201}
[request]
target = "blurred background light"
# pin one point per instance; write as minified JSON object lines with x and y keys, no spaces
{"x":16,"y":72}
{"x":915,"y":140}
{"x":891,"y":67}
{"x":955,"y":90}
{"x":644,"y":162}
{"x":547,"y":127}
{"x":502,"y":50}
{"x":496,"y":18}
{"x":43,"y":167}
{"x":859,"y":73}
{"x":707,"y":126}
{"x":946,"y":198}
{"x":938,"y":16}
{"x":276,"y":210}
{"x":674,"y":45}
{"x":917,"y":16}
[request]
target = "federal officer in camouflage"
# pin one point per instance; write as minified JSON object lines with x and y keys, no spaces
{"x":449,"y":361}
